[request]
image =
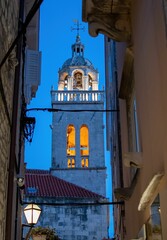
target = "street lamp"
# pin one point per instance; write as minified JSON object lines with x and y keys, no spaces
{"x":32,"y":213}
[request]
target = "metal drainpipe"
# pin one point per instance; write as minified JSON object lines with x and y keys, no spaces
{"x":15,"y":119}
{"x":119,"y":133}
{"x":118,"y":122}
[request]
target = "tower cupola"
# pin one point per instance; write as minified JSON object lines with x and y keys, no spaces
{"x":77,"y":72}
{"x":77,"y":48}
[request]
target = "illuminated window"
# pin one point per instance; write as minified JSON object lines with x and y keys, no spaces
{"x":84,"y":145}
{"x":71,"y":163}
{"x":84,"y":162}
{"x":71,"y":140}
{"x":84,"y":141}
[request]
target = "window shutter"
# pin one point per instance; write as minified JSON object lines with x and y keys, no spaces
{"x":32,"y":73}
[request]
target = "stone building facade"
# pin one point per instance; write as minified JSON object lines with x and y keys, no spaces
{"x":136,"y":56}
{"x":12,"y":16}
{"x":74,"y":212}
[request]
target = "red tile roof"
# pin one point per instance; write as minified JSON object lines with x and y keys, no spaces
{"x":41,"y":183}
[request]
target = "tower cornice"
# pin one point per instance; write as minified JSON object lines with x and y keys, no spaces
{"x":111,"y":18}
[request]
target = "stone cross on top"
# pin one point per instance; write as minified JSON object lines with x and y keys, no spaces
{"x":78,"y":27}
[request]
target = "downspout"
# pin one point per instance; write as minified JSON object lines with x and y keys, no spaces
{"x":15,"y":118}
{"x":118,"y":121}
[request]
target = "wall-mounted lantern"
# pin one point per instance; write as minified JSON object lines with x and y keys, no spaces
{"x":32,"y":213}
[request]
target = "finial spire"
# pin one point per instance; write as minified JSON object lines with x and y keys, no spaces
{"x":77,"y":28}
{"x":77,"y":47}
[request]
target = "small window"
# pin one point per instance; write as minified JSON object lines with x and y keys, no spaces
{"x":71,"y":163}
{"x":84,"y":162}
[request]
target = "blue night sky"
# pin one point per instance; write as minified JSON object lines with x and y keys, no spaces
{"x":56,"y":38}
{"x":56,"y":20}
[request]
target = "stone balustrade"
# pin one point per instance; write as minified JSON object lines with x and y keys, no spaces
{"x":77,"y":96}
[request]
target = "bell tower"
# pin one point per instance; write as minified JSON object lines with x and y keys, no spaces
{"x":77,"y":124}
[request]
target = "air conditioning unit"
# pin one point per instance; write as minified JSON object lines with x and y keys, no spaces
{"x":32,"y":74}
{"x":133,"y":159}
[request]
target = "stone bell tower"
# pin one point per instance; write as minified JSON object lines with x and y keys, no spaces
{"x":78,"y":130}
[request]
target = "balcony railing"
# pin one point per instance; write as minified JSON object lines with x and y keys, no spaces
{"x":77,"y":96}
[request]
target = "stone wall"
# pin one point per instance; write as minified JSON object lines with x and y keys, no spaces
{"x":74,"y":222}
{"x":8,"y":31}
{"x":95,"y":173}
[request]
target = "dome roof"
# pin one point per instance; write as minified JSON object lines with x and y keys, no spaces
{"x":77,"y":58}
{"x":77,"y":61}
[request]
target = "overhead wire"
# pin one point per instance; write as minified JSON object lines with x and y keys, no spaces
{"x":75,"y":203}
{"x":71,"y":110}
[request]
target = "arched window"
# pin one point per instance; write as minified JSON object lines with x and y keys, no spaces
{"x":71,"y":140}
{"x":71,"y":146}
{"x":77,"y":82}
{"x":84,"y":145}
